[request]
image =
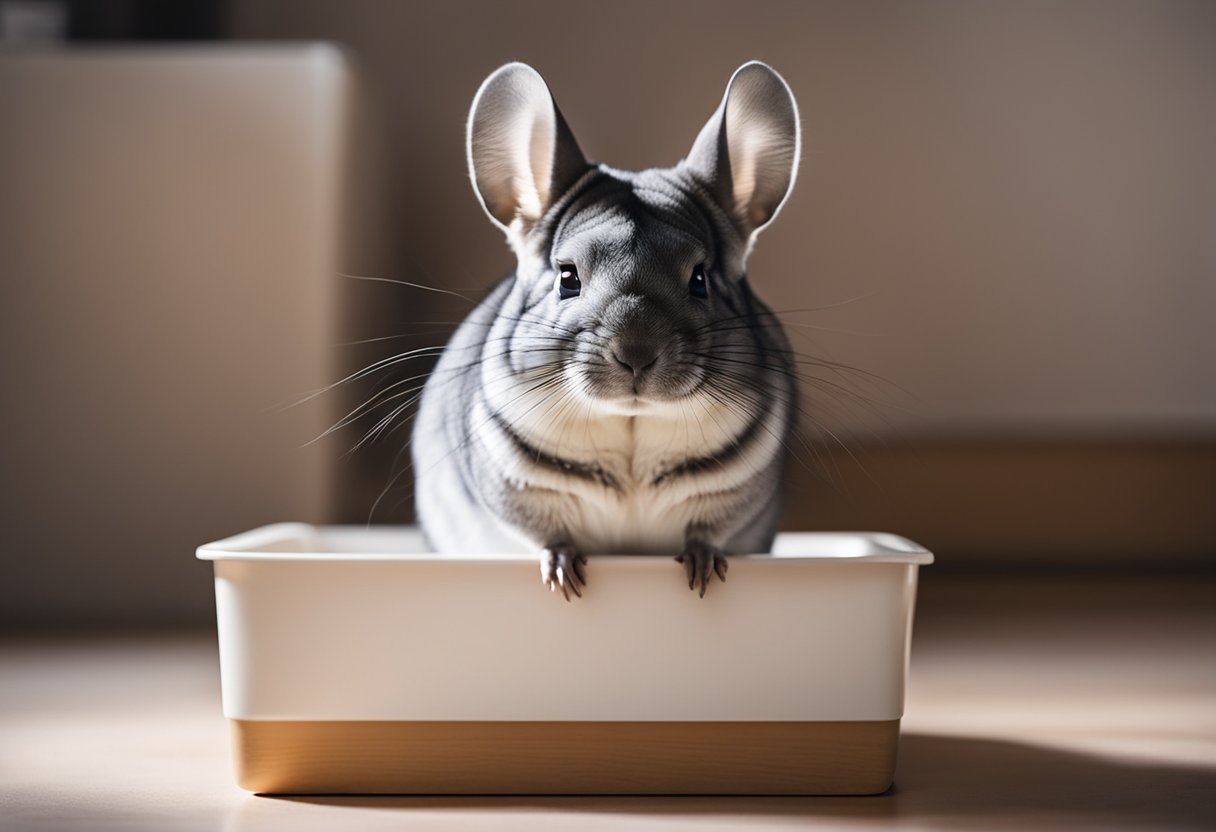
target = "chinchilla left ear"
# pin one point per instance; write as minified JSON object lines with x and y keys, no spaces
{"x":522,"y":156}
{"x":747,"y":153}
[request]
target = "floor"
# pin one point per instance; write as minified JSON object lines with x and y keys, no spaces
{"x":1034,"y":703}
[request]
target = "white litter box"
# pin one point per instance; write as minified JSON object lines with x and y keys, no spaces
{"x":352,"y":661}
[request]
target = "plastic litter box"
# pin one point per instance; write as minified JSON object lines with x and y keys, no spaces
{"x":352,"y":661}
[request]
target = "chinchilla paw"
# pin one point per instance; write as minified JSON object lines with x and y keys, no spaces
{"x":702,"y":561}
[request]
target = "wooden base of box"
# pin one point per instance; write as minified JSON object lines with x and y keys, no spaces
{"x":772,"y":758}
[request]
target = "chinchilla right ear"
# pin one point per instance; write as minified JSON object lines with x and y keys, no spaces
{"x":522,"y":156}
{"x":747,"y":153}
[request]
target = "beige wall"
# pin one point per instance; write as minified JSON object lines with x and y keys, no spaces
{"x":1020,"y":196}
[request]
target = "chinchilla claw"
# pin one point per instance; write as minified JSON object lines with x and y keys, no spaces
{"x":562,"y":568}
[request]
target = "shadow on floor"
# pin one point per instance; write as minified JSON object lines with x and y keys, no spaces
{"x":941,"y":782}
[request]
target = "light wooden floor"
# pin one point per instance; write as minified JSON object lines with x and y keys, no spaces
{"x":1065,"y":704}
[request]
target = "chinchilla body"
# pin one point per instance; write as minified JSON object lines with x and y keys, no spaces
{"x":624,"y":391}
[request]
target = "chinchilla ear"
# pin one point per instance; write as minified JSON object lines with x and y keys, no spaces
{"x":522,"y":156}
{"x":747,"y":153}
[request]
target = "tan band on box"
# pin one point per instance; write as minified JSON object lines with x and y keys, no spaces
{"x":565,"y":757}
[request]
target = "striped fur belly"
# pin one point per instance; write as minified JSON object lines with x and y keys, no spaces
{"x":636,"y":523}
{"x":647,"y":503}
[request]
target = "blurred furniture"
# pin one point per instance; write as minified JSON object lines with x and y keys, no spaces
{"x":172,"y":225}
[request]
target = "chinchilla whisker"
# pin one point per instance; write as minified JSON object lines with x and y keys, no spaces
{"x":421,"y":352}
{"x":735,"y":408}
{"x":435,"y":289}
{"x":411,"y":334}
{"x":820,"y":467}
{"x":804,"y":377}
{"x":548,"y":383}
{"x":381,"y":398}
{"x":542,"y":370}
{"x":804,"y":359}
{"x":538,"y":404}
{"x":384,"y":492}
{"x":827,"y":403}
{"x":440,"y":326}
{"x":551,"y":380}
{"x":573,"y":404}
{"x":390,"y":362}
{"x":555,"y":412}
{"x":741,"y":400}
{"x":773,"y":313}
{"x":778,"y":325}
{"x":438,"y":349}
{"x":550,"y":377}
{"x":808,"y":416}
{"x":377,"y":401}
{"x":383,"y":425}
{"x":705,"y":440}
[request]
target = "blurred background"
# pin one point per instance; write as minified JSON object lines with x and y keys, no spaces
{"x":1004,"y":231}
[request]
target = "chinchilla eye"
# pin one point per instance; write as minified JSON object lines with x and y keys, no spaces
{"x":568,"y":284}
{"x":698,"y":284}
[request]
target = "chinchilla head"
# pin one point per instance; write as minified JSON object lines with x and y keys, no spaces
{"x":634,"y":283}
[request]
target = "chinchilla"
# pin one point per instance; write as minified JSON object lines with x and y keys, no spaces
{"x":624,"y":391}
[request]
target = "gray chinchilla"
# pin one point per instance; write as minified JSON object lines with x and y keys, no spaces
{"x":623,"y":391}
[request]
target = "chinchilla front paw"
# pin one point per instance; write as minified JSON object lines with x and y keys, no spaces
{"x":700,"y":561}
{"x":561,"y":567}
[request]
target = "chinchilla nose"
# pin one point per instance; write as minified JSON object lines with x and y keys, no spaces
{"x":635,"y":352}
{"x":637,"y":341}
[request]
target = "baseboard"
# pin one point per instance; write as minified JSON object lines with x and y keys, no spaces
{"x":1028,"y":502}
